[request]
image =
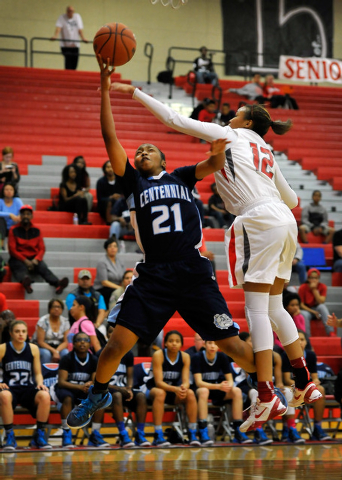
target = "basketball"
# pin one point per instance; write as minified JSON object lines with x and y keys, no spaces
{"x":116,"y":42}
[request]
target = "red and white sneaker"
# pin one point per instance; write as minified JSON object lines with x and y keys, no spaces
{"x":310,"y":394}
{"x":261,"y":412}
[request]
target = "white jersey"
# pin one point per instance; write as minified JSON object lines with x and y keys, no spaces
{"x":251,"y":175}
{"x":70,"y":29}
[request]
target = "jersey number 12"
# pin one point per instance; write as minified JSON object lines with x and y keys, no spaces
{"x":263,"y":160}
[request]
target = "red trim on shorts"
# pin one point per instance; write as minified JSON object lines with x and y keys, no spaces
{"x":232,"y":254}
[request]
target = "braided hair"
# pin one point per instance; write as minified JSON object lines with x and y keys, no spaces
{"x":262,"y":121}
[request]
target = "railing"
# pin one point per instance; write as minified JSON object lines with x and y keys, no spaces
{"x":51,"y":52}
{"x":148,"y":52}
{"x":24,"y":50}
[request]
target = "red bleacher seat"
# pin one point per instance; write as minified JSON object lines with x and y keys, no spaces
{"x":24,"y":308}
{"x":336,"y":280}
{"x":12,"y":290}
{"x":326,"y":345}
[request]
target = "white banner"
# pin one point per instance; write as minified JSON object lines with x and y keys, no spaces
{"x":314,"y":69}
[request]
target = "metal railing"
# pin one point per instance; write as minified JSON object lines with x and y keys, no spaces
{"x":52,"y":52}
{"x":148,"y":52}
{"x":18,"y":50}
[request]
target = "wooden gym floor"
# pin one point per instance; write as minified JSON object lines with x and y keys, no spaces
{"x":287,"y":462}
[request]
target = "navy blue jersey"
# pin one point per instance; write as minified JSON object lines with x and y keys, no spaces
{"x":212,"y":371}
{"x":18,"y":367}
{"x":172,"y":371}
{"x":169,"y":225}
{"x":119,"y":379}
{"x":142,"y":372}
{"x":79,"y":371}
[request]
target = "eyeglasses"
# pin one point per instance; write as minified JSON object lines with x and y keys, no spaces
{"x":56,"y":306}
{"x":86,"y":340}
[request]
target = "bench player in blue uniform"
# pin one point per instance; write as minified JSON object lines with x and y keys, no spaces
{"x":174,"y":276}
{"x":23,"y":384}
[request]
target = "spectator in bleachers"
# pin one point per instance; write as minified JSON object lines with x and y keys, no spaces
{"x":313,"y":294}
{"x":194,"y":114}
{"x":83,"y":179}
{"x":123,"y":394}
{"x":26,"y":248}
{"x":252,"y":90}
{"x":108,"y":191}
{"x":315,"y":220}
{"x":120,"y":220}
{"x":318,"y":406}
{"x":204,"y":68}
{"x":75,"y":375}
{"x":71,"y":195}
{"x":82,"y":311}
{"x":51,"y":333}
{"x":70,"y":26}
{"x":109,"y":270}
{"x":170,"y":384}
{"x":9,"y":170}
{"x":217,"y":209}
{"x":6,"y":317}
{"x":275,"y":95}
{"x":126,"y":280}
{"x":337,"y":245}
{"x":3,"y":302}
{"x":9,"y":211}
{"x":225,"y":115}
{"x":298,"y":264}
{"x":292,"y":305}
{"x":338,"y":388}
{"x":85,"y":288}
{"x":198,"y":346}
{"x":208,"y":113}
{"x":214,"y":381}
{"x":23,"y":384}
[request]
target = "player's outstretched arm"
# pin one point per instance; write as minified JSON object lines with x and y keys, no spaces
{"x":116,"y":153}
{"x":215,"y":162}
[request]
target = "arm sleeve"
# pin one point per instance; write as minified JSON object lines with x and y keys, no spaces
{"x":305,"y":216}
{"x":41,"y":247}
{"x":206,"y":131}
{"x":102,"y":303}
{"x":101,"y":272}
{"x":69,"y":300}
{"x":12,"y":247}
{"x":325,"y":222}
{"x":286,"y":192}
{"x":195,"y":364}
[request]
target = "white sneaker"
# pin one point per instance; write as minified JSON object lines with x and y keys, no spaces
{"x":310,"y":394}
{"x":261,"y":412}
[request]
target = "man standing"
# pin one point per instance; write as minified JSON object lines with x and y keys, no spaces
{"x":26,"y":247}
{"x":70,"y":26}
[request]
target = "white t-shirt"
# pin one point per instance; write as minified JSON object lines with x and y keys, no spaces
{"x":70,"y":28}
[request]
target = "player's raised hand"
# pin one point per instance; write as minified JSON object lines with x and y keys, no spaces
{"x":218,"y":146}
{"x":106,"y":73}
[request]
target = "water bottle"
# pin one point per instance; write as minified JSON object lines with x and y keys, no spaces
{"x":122,"y":247}
{"x":75,"y":219}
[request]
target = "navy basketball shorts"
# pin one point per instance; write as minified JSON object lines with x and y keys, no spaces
{"x":217,"y":397}
{"x":63,"y":393}
{"x":161,"y":289}
{"x":25,"y":396}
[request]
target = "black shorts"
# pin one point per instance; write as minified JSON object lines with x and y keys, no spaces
{"x":160,"y":289}
{"x":63,"y":393}
{"x":217,"y":397}
{"x":26,"y":398}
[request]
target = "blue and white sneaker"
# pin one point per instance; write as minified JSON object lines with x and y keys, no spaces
{"x":241,"y":437}
{"x":205,"y":440}
{"x":39,"y":440}
{"x":67,"y":439}
{"x":125,"y":441}
{"x":159,"y":440}
{"x":81,"y":415}
{"x":319,"y":434}
{"x":294,"y":436}
{"x":261,"y":438}
{"x":193,"y":440}
{"x":97,"y":440}
{"x":140,"y":439}
{"x":10,"y":441}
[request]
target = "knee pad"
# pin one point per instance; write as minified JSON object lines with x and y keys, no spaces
{"x":281,"y":320}
{"x":256,"y":310}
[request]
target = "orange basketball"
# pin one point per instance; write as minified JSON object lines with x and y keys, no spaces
{"x":116,"y":42}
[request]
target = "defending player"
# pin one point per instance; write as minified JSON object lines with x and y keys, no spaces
{"x":173,"y":276}
{"x":261,"y":242}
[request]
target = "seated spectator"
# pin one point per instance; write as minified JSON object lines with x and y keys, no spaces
{"x":315,"y":220}
{"x":318,"y":406}
{"x":9,"y":170}
{"x":208,"y":113}
{"x":204,"y":68}
{"x":291,"y":302}
{"x":108,"y":191}
{"x":225,"y":115}
{"x":109,"y":270}
{"x":23,"y":384}
{"x":338,"y":388}
{"x":51,"y":333}
{"x":76,"y":374}
{"x":337,"y":245}
{"x":120,"y":219}
{"x":198,"y":108}
{"x":218,"y":210}
{"x":298,"y":265}
{"x":6,"y":318}
{"x":313,"y":294}
{"x":83,"y":180}
{"x":126,"y":280}
{"x":82,"y":311}
{"x":124,"y":395}
{"x":275,"y":95}
{"x":9,"y":211}
{"x":71,"y":196}
{"x":26,"y":248}
{"x":85,"y":288}
{"x":214,"y":381}
{"x":252,"y":90}
{"x":170,"y":384}
{"x":198,"y":346}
